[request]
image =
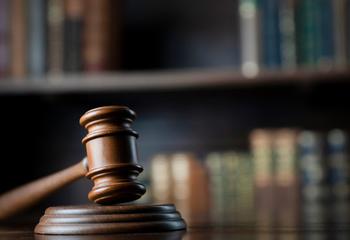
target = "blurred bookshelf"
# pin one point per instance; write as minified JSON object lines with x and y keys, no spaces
{"x":82,"y":46}
{"x":155,"y":81}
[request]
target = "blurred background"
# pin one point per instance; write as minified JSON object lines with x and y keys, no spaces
{"x":243,"y":105}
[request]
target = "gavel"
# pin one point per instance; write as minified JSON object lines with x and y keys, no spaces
{"x":111,"y":163}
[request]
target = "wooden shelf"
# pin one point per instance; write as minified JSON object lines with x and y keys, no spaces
{"x":165,"y":80}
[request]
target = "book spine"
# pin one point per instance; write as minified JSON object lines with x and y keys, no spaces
{"x":312,"y":166}
{"x":288,"y":37}
{"x":339,"y":176}
{"x":264,"y":192}
{"x":97,"y":46}
{"x":243,"y":191}
{"x":261,"y":148}
{"x":339,"y":30}
{"x":307,"y":33}
{"x":338,"y":159}
{"x":214,"y":165}
{"x":55,"y":36}
{"x":231,"y":187}
{"x":286,"y":177}
{"x":230,"y":181}
{"x":18,"y":39}
{"x":326,"y":54}
{"x":189,"y":185}
{"x":285,"y":157}
{"x":161,"y":179}
{"x":37,"y":37}
{"x":313,"y":177}
{"x":73,"y":30}
{"x":270,"y":32}
{"x":4,"y":37}
{"x":249,"y":27}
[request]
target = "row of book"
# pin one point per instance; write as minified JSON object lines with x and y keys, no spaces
{"x":55,"y":36}
{"x":287,"y":178}
{"x":293,"y":34}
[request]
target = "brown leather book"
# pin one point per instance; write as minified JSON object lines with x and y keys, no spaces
{"x":18,"y":39}
{"x":99,"y":37}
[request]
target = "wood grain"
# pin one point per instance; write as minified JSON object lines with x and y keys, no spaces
{"x":30,"y":194}
{"x":95,"y":219}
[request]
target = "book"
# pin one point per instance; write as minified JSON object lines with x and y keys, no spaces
{"x":55,"y":18}
{"x":181,"y":179}
{"x":73,"y":30}
{"x":18,"y":38}
{"x":339,"y":176}
{"x":286,"y":177}
{"x":97,"y":47}
{"x":270,"y":33}
{"x":239,"y":196}
{"x":231,"y":187}
{"x":340,"y":32}
{"x":248,"y":15}
{"x":288,"y":36}
{"x":161,"y":179}
{"x":312,"y":166}
{"x":326,"y":51}
{"x":36,"y":37}
{"x":4,"y":37}
{"x":261,"y":148}
{"x":230,"y":178}
{"x":338,"y":164}
{"x":308,"y":33}
{"x":285,"y":152}
{"x":214,"y":165}
{"x":261,"y":144}
{"x":313,"y":177}
{"x":190,"y":183}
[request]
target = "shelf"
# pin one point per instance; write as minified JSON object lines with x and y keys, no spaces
{"x":165,"y":80}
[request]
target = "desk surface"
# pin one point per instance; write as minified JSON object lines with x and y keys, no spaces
{"x":316,"y":224}
{"x":244,"y":231}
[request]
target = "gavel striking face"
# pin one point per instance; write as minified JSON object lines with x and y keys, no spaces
{"x":112,"y":155}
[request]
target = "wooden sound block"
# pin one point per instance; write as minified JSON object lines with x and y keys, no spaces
{"x":95,"y":219}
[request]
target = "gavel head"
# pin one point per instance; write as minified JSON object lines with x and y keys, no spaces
{"x":112,"y":155}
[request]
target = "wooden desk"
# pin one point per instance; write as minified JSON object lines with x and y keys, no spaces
{"x":317,"y":231}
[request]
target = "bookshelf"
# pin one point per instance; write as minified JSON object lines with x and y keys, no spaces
{"x":175,"y":80}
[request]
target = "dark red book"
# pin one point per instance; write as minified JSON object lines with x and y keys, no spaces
{"x":4,"y":37}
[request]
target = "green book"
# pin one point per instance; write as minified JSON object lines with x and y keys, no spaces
{"x":287,"y":30}
{"x":308,"y":33}
{"x":214,"y":166}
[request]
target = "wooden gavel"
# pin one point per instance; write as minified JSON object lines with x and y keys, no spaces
{"x":111,"y":163}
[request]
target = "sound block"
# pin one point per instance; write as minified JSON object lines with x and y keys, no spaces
{"x":95,"y":219}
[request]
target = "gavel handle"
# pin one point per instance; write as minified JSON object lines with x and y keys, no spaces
{"x":29,"y":194}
